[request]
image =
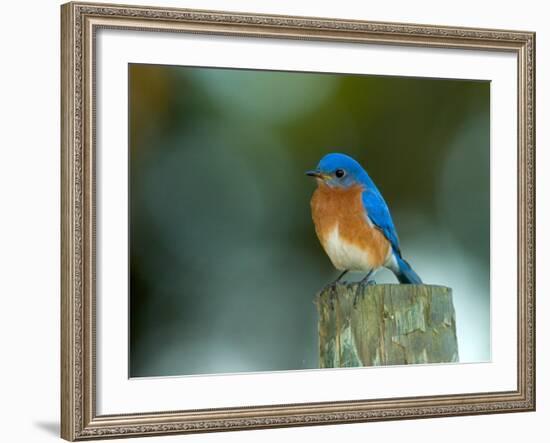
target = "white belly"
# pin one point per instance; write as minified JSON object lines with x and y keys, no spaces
{"x":344,"y":255}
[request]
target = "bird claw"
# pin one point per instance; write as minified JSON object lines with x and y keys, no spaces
{"x":370,"y":282}
{"x":332,"y":286}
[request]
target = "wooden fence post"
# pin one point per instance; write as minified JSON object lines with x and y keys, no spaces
{"x":386,"y":324}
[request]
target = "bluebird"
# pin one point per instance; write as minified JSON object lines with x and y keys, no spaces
{"x":353,"y":222}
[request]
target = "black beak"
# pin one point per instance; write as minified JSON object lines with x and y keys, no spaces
{"x":314,"y":173}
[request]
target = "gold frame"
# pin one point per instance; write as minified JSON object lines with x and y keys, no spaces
{"x":79,"y":22}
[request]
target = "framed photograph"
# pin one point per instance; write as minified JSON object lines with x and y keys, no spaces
{"x":283,"y":221}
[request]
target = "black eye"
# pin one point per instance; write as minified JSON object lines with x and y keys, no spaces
{"x":339,"y":173}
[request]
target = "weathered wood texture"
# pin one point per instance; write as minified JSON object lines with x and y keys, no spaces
{"x":385,"y":324}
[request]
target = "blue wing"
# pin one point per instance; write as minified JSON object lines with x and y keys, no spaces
{"x":379,"y":214}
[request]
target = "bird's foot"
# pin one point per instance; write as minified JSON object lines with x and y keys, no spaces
{"x":338,"y":279}
{"x":359,"y":290}
{"x":367,"y":282}
{"x":332,"y":287}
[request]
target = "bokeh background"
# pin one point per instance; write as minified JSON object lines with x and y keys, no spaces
{"x":224,"y":260}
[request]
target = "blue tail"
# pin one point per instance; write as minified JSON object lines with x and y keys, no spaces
{"x":405,"y":273}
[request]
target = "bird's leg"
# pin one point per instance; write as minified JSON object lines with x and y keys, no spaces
{"x":366,"y":279}
{"x":339,"y":277}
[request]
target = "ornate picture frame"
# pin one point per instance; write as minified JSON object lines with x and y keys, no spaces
{"x":80,"y":22}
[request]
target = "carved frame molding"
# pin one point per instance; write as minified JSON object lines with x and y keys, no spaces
{"x":80,"y":21}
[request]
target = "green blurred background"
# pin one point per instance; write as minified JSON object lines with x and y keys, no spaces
{"x":224,"y":259}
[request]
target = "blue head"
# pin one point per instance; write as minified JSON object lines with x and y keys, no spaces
{"x":340,"y":170}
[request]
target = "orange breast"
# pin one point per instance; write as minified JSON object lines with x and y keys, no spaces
{"x":342,"y":209}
